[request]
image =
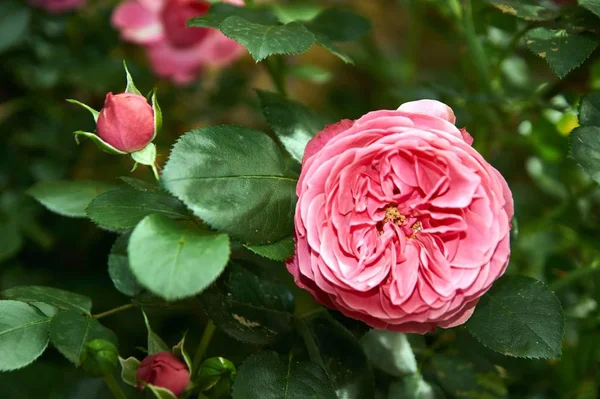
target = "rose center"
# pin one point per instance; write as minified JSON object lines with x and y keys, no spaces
{"x":408,"y":224}
{"x":174,"y":16}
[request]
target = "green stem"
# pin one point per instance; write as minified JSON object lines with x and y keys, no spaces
{"x":475,"y":47}
{"x":114,"y":387}
{"x":115,"y":310}
{"x":209,"y":331}
{"x":275,"y":67}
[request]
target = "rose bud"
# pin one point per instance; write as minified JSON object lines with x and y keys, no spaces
{"x":126,"y":122}
{"x":99,"y":358}
{"x":400,"y":223}
{"x":163,"y":370}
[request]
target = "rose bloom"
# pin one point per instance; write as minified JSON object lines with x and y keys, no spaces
{"x":163,"y":370}
{"x":400,"y":223}
{"x":126,"y":122}
{"x":174,"y":50}
{"x":57,"y":6}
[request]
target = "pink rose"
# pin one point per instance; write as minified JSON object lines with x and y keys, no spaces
{"x":126,"y":122}
{"x":164,"y":370}
{"x":174,"y":50}
{"x":400,"y":223}
{"x":57,"y":6}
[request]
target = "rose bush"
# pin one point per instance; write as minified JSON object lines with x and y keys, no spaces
{"x":57,"y":6}
{"x":164,"y":370}
{"x":400,"y":222}
{"x":174,"y":50}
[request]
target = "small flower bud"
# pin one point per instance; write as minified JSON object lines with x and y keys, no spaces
{"x":99,"y":358}
{"x":164,"y":370}
{"x":216,"y":377}
{"x":126,"y":122}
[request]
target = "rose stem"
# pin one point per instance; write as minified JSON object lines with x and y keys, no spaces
{"x":114,"y":387}
{"x":275,"y":66}
{"x":209,"y":331}
{"x":115,"y":310}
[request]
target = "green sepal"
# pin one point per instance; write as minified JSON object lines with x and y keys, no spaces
{"x":157,"y":114}
{"x":161,"y":393}
{"x":179,"y":351}
{"x":94,"y":113}
{"x":146,"y":156}
{"x":155,"y":343}
{"x":130,"y":85}
{"x":101,"y":144}
{"x":129,"y":369}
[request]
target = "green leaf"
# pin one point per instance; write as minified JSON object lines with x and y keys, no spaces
{"x":328,"y":45}
{"x":179,"y":351}
{"x":247,"y":287}
{"x":265,"y":40}
{"x":119,"y":269}
{"x":11,"y":239}
{"x":519,"y":317}
{"x":124,"y":208}
{"x":562,"y":50}
{"x":145,"y":156}
{"x":23,"y":334}
{"x":337,"y":351}
{"x":592,"y":5}
{"x":101,"y":144}
{"x":311,"y":73}
{"x":176,"y":260}
{"x":155,"y":343}
{"x":130,"y":85}
{"x":296,"y":12}
{"x":94,"y":113}
{"x":413,"y":387}
{"x":462,"y":379}
{"x":14,"y":24}
{"x":61,"y":299}
{"x":589,"y":111}
{"x":248,"y":323}
{"x":390,"y":351}
{"x":293,"y":123}
{"x":70,"y":331}
{"x":585,"y":149}
{"x":280,"y":250}
{"x":219,"y":12}
{"x":340,"y":25}
{"x":234,"y":179}
{"x":129,"y":368}
{"x":140,"y":185}
{"x":68,"y":198}
{"x":268,"y":375}
{"x":525,"y":9}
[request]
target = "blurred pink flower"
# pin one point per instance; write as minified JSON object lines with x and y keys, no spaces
{"x":400,"y":223}
{"x":174,"y":50}
{"x":57,"y":6}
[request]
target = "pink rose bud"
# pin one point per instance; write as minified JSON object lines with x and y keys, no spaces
{"x":164,"y":370}
{"x":400,"y":222}
{"x":126,"y":122}
{"x":57,"y":6}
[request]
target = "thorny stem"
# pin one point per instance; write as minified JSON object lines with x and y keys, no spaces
{"x":114,"y":387}
{"x":115,"y":310}
{"x":209,"y":331}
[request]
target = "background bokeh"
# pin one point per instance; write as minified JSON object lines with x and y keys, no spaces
{"x":415,"y":50}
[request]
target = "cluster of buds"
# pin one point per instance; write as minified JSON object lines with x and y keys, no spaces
{"x":127,"y":124}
